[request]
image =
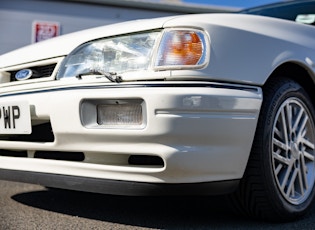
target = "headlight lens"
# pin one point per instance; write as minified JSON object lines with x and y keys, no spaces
{"x":175,"y":49}
{"x":118,"y":54}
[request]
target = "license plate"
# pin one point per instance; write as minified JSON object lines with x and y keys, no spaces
{"x":15,"y":118}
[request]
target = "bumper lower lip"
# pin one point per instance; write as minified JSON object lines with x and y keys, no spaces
{"x":117,"y":187}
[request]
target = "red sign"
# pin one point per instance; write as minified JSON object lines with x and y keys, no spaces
{"x":45,"y":30}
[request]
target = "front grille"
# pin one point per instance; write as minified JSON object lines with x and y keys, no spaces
{"x":38,"y":71}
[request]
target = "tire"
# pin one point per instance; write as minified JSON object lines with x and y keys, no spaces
{"x":278,"y":183}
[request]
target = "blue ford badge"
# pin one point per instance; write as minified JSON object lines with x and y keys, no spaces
{"x":23,"y":74}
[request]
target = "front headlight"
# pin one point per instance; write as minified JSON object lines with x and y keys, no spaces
{"x":117,"y":54}
{"x":156,"y":50}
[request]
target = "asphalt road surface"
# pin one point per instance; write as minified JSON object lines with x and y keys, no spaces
{"x":32,"y":207}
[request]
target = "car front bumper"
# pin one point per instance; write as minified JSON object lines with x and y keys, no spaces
{"x":196,"y":132}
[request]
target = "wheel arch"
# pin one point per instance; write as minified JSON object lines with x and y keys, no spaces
{"x":258,"y":194}
{"x":298,"y":72}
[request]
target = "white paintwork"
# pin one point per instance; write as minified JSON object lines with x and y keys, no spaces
{"x":198,"y":142}
{"x":206,"y":140}
{"x":251,"y":46}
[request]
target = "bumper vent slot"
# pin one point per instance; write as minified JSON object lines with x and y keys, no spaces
{"x":64,"y":156}
{"x":9,"y":153}
{"x":145,"y":160}
{"x":49,"y":155}
{"x":40,"y":133}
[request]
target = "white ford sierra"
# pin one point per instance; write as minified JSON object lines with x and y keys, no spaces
{"x":200,"y":104}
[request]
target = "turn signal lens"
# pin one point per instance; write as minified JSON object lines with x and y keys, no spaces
{"x":182,"y":48}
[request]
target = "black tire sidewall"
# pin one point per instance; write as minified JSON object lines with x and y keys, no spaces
{"x":279,"y":91}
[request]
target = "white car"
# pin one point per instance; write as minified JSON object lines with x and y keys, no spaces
{"x":198,"y":104}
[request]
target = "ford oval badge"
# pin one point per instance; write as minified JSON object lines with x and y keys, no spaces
{"x":23,"y":74}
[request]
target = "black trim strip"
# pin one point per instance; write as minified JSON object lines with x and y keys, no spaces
{"x":117,"y":187}
{"x":144,"y":85}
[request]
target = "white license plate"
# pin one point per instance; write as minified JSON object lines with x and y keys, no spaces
{"x":15,"y":118}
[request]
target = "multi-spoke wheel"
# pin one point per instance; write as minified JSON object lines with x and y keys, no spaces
{"x":278,"y":183}
{"x":293,"y":150}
